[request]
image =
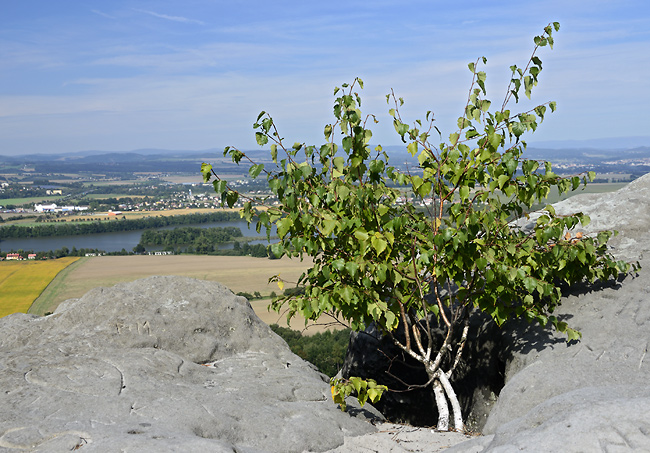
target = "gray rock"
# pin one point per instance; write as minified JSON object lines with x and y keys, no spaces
{"x":161,"y":364}
{"x":591,"y":395}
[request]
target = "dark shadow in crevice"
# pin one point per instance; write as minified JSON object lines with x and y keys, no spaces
{"x":478,"y":379}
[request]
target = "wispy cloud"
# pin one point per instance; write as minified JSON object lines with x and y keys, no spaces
{"x":103,"y":14}
{"x":172,"y":18}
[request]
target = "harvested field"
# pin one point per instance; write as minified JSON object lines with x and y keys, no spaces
{"x":239,"y":273}
{"x":23,"y":281}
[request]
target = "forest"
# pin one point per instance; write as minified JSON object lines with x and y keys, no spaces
{"x":203,"y":240}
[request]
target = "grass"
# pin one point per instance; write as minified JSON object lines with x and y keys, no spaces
{"x":21,"y":282}
{"x":46,"y":301}
{"x":29,"y":200}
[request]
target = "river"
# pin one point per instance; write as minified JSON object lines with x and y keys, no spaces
{"x":115,"y":242}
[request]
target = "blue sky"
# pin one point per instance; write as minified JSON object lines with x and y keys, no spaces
{"x":193,"y":74}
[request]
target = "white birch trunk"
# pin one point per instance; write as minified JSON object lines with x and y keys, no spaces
{"x":443,"y":408}
{"x":453,"y":399}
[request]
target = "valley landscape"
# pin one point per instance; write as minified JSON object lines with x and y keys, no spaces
{"x":151,"y":184}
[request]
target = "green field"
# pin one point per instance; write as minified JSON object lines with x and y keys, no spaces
{"x":21,"y":282}
{"x":29,"y":200}
{"x":103,"y":196}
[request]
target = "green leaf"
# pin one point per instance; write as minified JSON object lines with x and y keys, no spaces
{"x":278,"y":250}
{"x":220,"y":186}
{"x":328,"y":132}
{"x":346,"y":294}
{"x":391,"y":321}
{"x":352,"y":268}
{"x":231,"y":198}
{"x":339,"y":164}
{"x":206,"y":170}
{"x":261,"y":138}
{"x":530,"y":284}
{"x":464,"y":192}
{"x":328,"y":226}
{"x":283,"y":225}
{"x":503,"y":180}
{"x":518,"y":129}
{"x":374,"y":394}
{"x":361,"y":235}
{"x":378,"y":243}
{"x":255,"y":170}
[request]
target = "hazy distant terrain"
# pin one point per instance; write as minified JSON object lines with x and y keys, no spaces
{"x":630,"y":155}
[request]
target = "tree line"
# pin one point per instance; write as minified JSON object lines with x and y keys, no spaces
{"x":201,"y":241}
{"x":188,"y":235}
{"x":70,"y":229}
{"x":63,"y":252}
{"x":195,"y":240}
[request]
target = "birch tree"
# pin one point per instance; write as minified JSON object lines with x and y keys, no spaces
{"x":379,"y":261}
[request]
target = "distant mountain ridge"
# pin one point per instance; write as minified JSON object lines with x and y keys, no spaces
{"x":154,"y":159}
{"x":609,"y":143}
{"x":601,"y":144}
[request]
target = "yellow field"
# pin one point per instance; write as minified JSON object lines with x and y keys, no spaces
{"x":21,"y":282}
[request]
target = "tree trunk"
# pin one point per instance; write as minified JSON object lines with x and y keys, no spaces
{"x":443,"y":407}
{"x":444,"y":392}
{"x":453,"y":399}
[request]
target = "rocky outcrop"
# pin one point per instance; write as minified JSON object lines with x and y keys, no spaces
{"x":161,"y":364}
{"x":591,"y":395}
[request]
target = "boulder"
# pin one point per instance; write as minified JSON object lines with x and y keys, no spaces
{"x":161,"y":364}
{"x":592,"y":394}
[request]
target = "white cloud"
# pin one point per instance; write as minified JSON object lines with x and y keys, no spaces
{"x":172,"y":18}
{"x":103,"y":14}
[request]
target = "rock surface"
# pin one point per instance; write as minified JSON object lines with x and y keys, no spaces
{"x":592,"y":395}
{"x":161,"y":364}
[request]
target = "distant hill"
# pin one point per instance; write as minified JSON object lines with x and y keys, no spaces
{"x":610,"y":143}
{"x":189,"y":161}
{"x":588,"y":154}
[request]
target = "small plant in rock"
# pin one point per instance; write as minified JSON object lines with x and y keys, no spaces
{"x":388,"y":263}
